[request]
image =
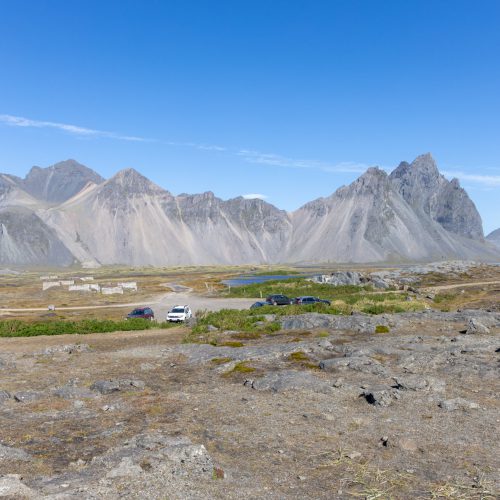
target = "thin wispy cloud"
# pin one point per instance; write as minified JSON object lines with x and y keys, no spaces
{"x":248,"y":155}
{"x":210,"y":147}
{"x":195,"y":145}
{"x":257,"y":157}
{"x":18,"y":121}
{"x":485,"y":180}
{"x":255,"y":196}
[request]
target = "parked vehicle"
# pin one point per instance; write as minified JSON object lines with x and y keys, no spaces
{"x":278,"y":300}
{"x":142,"y":312}
{"x":310,"y":300}
{"x":259,"y":304}
{"x":179,"y":314}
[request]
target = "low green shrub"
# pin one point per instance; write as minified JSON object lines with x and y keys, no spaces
{"x":298,"y":356}
{"x":382,"y":308}
{"x":247,"y":335}
{"x":225,"y":319}
{"x":381,"y":329}
{"x":232,"y":344}
{"x":444,"y":297}
{"x":383,"y":297}
{"x":17,"y":328}
{"x":240,"y":367}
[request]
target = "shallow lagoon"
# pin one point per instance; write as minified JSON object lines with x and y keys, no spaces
{"x":251,"y":279}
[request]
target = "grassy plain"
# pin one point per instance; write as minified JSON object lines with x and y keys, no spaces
{"x":480,"y":289}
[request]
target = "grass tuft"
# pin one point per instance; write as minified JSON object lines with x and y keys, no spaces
{"x":240,"y":367}
{"x":232,"y":344}
{"x":220,"y":361}
{"x":298,"y":356}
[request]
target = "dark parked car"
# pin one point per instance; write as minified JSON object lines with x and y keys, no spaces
{"x":259,"y":304}
{"x":142,"y":312}
{"x":278,"y":300}
{"x":310,"y":300}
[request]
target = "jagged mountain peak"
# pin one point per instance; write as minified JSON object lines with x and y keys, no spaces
{"x":373,"y":178}
{"x":426,"y":190}
{"x":425,"y":161}
{"x":258,"y":205}
{"x":374,"y":181}
{"x":65,"y":167}
{"x":242,"y":200}
{"x":207,"y":197}
{"x":129,"y":182}
{"x":68,"y":164}
{"x":130,"y":177}
{"x":373,"y":174}
{"x":59,"y":182}
{"x":423,"y":169}
{"x":258,"y":215}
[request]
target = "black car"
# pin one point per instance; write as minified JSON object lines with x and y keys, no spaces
{"x":310,"y":300}
{"x":278,"y":300}
{"x":259,"y":304}
{"x":142,"y":312}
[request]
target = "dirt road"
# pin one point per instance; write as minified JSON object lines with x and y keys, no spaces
{"x":162,"y":304}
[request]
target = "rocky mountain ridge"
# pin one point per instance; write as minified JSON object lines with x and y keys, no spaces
{"x":412,"y":214}
{"x":73,"y":215}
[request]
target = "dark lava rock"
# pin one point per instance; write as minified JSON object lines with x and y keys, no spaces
{"x":380,"y":395}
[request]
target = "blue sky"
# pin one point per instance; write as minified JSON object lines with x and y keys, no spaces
{"x":286,"y":99}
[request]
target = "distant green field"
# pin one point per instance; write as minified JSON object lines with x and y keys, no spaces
{"x":294,"y":287}
{"x":344,"y":299}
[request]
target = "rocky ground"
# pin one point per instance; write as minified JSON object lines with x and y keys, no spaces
{"x":390,"y":406}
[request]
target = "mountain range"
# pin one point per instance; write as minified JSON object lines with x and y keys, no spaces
{"x":68,"y":214}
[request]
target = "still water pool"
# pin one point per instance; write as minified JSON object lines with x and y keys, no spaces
{"x":249,"y":279}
